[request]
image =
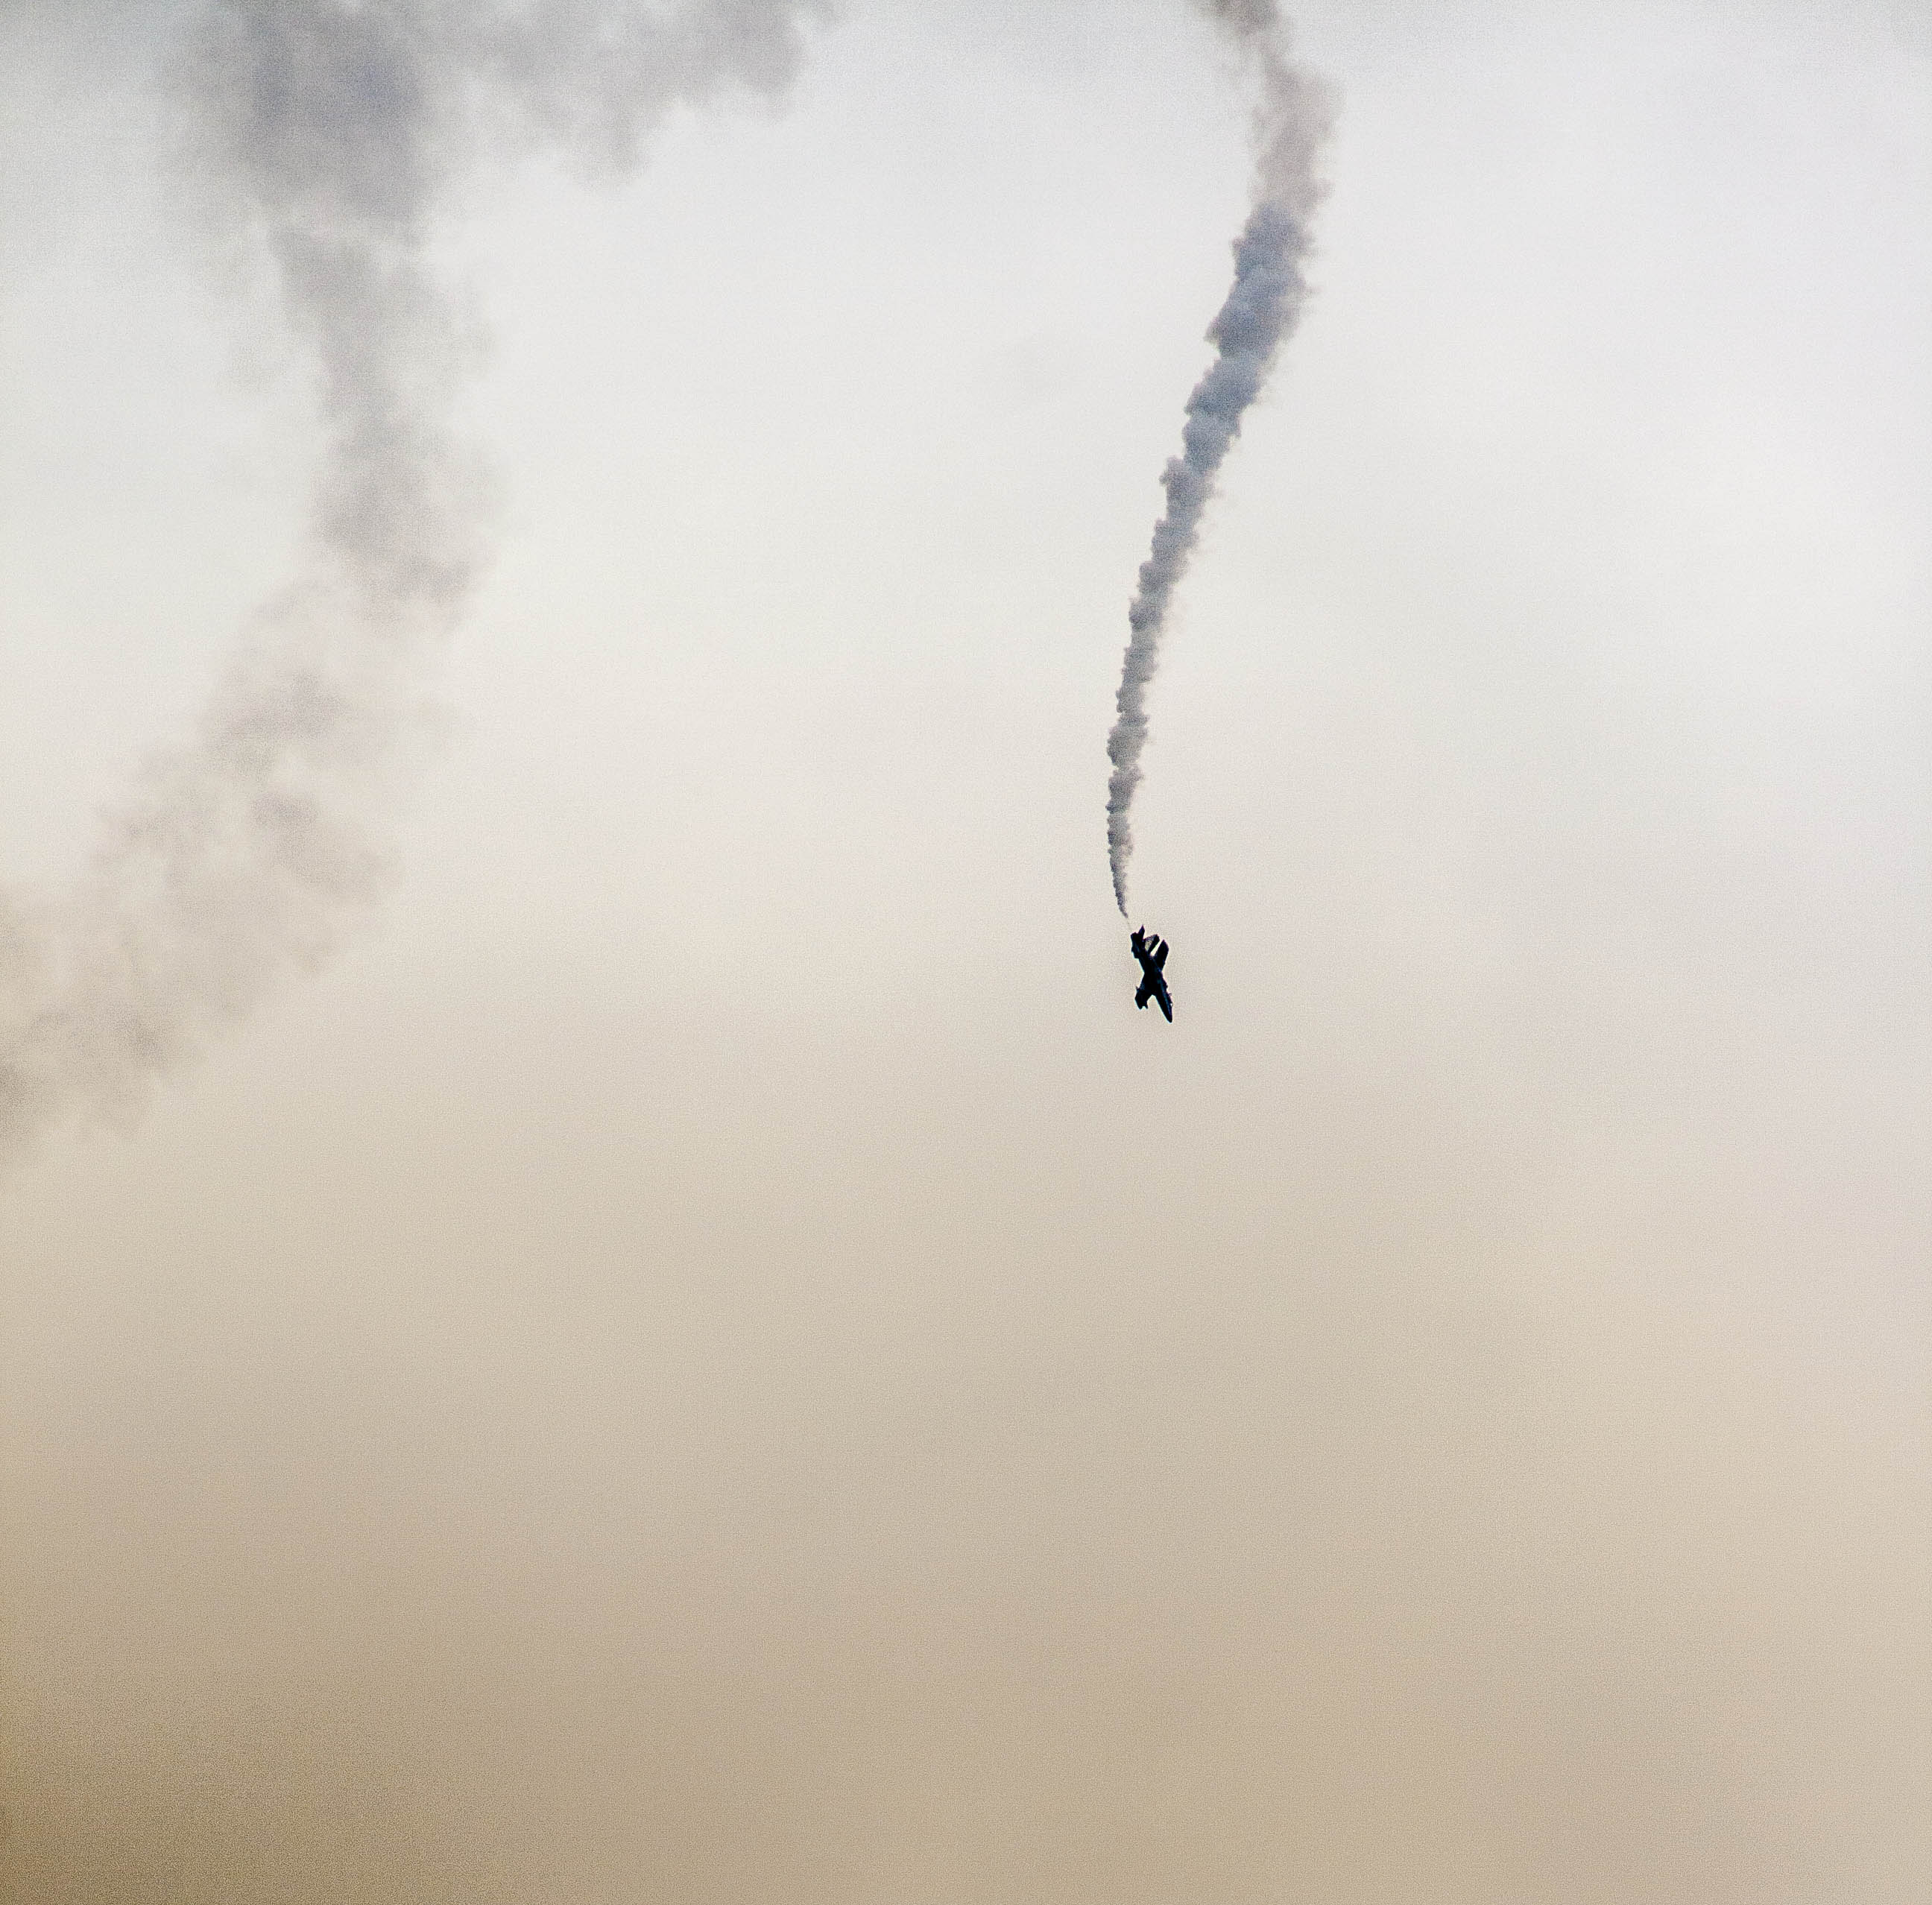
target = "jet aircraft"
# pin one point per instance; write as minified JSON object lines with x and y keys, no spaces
{"x":1151,"y":951}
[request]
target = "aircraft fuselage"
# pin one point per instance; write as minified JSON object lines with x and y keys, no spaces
{"x":1150,"y":949}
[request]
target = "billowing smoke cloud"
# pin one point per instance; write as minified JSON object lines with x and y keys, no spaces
{"x":1261,"y":309}
{"x":327,"y":135}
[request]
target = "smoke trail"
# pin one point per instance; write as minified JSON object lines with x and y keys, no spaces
{"x":325,"y":135}
{"x":1261,"y":309}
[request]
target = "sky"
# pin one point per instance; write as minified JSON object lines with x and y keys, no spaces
{"x":700,"y":1350}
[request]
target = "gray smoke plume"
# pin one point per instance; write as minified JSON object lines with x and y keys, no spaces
{"x":1269,"y":291}
{"x":325,"y":135}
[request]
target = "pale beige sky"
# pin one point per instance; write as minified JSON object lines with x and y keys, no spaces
{"x":709,"y":1354}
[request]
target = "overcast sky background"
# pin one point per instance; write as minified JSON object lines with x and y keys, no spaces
{"x":711,"y":1354}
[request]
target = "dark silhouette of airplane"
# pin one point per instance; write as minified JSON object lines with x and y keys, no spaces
{"x":1151,"y":951}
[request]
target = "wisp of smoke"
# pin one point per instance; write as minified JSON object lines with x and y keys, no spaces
{"x":1268,"y":294}
{"x":327,"y":133}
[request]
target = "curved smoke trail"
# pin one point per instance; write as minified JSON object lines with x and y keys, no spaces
{"x":1268,"y":294}
{"x":326,"y":134}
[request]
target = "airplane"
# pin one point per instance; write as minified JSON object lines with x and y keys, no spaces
{"x":1152,"y":953}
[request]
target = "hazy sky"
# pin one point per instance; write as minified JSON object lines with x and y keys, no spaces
{"x":709,"y":1354}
